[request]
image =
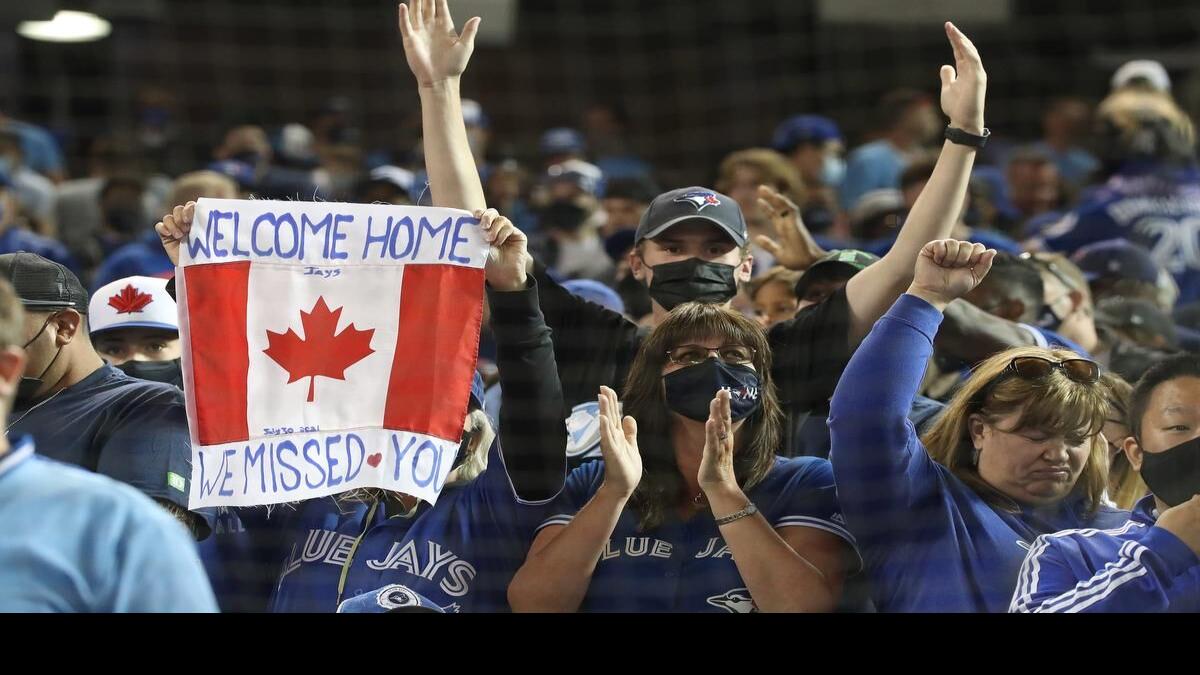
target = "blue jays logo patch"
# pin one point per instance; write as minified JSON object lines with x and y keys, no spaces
{"x":583,"y":430}
{"x":735,"y":601}
{"x":396,"y":595}
{"x":699,"y":199}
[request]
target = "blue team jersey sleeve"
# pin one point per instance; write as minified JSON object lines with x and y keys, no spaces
{"x":581,"y":484}
{"x":161,"y":570}
{"x":1098,"y":571}
{"x":808,"y":498}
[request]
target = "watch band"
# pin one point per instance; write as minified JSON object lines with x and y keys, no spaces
{"x":750,"y":510}
{"x":961,"y":137}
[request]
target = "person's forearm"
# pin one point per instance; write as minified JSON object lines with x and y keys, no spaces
{"x":556,"y":577}
{"x":972,"y":335}
{"x":778,"y":578}
{"x":453,"y":177}
{"x":872,"y":291}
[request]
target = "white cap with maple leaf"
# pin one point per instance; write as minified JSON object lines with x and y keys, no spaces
{"x":132,"y":302}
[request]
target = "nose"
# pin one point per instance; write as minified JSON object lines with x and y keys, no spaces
{"x":1056,"y":452}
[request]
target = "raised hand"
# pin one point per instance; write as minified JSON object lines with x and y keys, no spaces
{"x":435,"y":52}
{"x":174,"y":228}
{"x":618,"y":446}
{"x":948,"y":269}
{"x":716,"y":466}
{"x":963,"y":84}
{"x":794,"y":247}
{"x":509,"y":254}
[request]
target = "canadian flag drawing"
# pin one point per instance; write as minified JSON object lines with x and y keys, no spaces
{"x":326,"y":347}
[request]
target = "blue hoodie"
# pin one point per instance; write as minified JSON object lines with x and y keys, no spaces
{"x":1137,"y":567}
{"x":929,"y":541}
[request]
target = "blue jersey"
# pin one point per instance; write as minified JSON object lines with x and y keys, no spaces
{"x":1133,"y":568}
{"x":460,"y":553}
{"x":685,"y":566}
{"x":128,"y":429}
{"x":1158,"y":209}
{"x":18,"y":239}
{"x":930,"y":542}
{"x":72,"y":541}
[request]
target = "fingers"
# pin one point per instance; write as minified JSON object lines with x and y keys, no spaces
{"x":406,"y":27}
{"x":441,"y":12}
{"x":427,"y":11}
{"x":777,"y":201}
{"x":962,"y":253}
{"x":629,"y":425}
{"x":964,"y":49}
{"x":189,"y":212}
{"x":937,"y":251}
{"x":768,"y":244}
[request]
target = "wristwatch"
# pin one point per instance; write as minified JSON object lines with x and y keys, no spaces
{"x":750,"y":510}
{"x":963,"y":138}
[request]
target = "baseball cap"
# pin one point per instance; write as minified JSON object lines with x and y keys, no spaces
{"x":562,"y":141}
{"x":43,"y":284}
{"x":1136,"y":314}
{"x":241,"y":172}
{"x":393,"y":175}
{"x":1116,"y":258}
{"x":596,"y":292}
{"x":584,"y":175}
{"x":1152,"y":72}
{"x":473,"y":115}
{"x":845,"y":262}
{"x":390,"y":598}
{"x":132,"y":302}
{"x":692,"y":203}
{"x":804,"y":129}
{"x":875,"y":204}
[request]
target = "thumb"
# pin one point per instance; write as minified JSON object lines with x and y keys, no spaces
{"x":984,"y":265}
{"x":470,"y":28}
{"x":948,"y":76}
{"x":629,"y":425}
{"x":768,"y":244}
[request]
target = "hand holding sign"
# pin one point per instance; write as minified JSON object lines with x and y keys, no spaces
{"x":174,"y":228}
{"x":507,"y":258}
{"x":435,"y":52}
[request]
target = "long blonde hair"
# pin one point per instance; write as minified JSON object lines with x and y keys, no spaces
{"x":1125,"y":486}
{"x":1055,"y":405}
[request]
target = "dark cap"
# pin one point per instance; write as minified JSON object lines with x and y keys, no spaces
{"x":693,"y":203}
{"x":42,"y":284}
{"x":1136,"y":315}
{"x":1116,"y":258}
{"x":804,"y":129}
{"x":843,"y":263}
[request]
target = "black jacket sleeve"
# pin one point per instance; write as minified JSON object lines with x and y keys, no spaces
{"x":593,"y":345}
{"x":810,"y":352}
{"x":533,"y":435}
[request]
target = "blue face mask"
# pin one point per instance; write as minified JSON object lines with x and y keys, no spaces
{"x":690,"y":390}
{"x":833,"y":170}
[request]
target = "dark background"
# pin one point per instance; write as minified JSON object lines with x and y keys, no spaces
{"x":698,"y":78}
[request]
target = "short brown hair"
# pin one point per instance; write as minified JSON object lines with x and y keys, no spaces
{"x":777,"y":274}
{"x":775,"y":170}
{"x":191,"y":186}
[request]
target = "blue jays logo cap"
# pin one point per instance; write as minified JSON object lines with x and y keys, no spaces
{"x":390,"y":598}
{"x":692,"y":204}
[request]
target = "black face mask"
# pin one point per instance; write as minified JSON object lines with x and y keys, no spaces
{"x":1173,"y":475}
{"x":28,"y":387}
{"x":692,"y":280}
{"x":1048,"y":319}
{"x":690,"y":390}
{"x":123,"y":219}
{"x":167,"y":372}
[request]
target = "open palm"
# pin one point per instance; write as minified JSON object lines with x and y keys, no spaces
{"x":435,"y":51}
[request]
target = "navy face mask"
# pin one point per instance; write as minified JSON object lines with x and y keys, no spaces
{"x":692,"y":280}
{"x":1173,"y":475}
{"x":690,"y":390}
{"x":167,"y":372}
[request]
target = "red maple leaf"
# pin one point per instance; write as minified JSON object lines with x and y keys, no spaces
{"x":320,"y":353}
{"x":130,"y":300}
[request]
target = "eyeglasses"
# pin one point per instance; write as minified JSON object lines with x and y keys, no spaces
{"x":690,"y":355}
{"x":1037,"y":367}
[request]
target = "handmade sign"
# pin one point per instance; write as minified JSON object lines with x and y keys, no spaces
{"x":326,"y":347}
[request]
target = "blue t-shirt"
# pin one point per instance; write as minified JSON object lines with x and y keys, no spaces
{"x":685,"y":566}
{"x":460,"y":553}
{"x":1155,"y":207}
{"x":72,"y":541}
{"x":871,"y":166}
{"x":19,"y":239}
{"x":132,"y":430}
{"x":144,"y":257}
{"x":40,"y":150}
{"x":1137,"y":567}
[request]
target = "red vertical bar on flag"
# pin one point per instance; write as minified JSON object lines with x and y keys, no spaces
{"x":216,"y":304}
{"x":437,"y":344}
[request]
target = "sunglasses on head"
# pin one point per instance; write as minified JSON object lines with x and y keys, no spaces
{"x":1037,"y":367}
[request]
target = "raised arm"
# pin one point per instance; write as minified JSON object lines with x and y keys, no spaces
{"x":873,"y":290}
{"x":878,"y":462}
{"x":438,"y":55}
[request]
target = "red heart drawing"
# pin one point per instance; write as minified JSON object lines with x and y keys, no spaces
{"x":375,"y":459}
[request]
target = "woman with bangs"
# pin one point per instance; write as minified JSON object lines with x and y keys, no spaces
{"x":691,"y":509}
{"x":944,"y":521}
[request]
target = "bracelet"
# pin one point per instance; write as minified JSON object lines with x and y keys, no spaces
{"x":750,"y":510}
{"x":968,"y":139}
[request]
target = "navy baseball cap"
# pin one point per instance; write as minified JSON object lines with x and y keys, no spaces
{"x":804,"y":129}
{"x":241,"y":172}
{"x":843,"y":263}
{"x":390,"y":598}
{"x":562,"y":141}
{"x":689,"y":204}
{"x":1118,"y":258}
{"x":43,"y":284}
{"x":1136,"y":314}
